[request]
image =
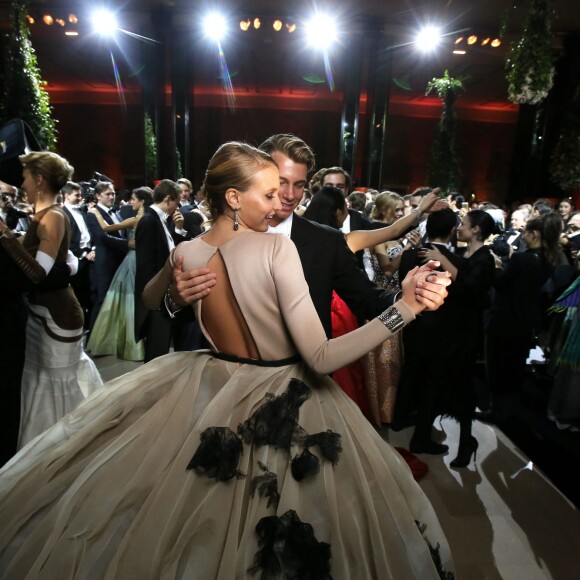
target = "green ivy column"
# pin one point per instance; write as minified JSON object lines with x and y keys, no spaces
{"x":23,"y":95}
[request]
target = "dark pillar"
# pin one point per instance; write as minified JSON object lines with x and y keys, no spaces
{"x":378,"y":94}
{"x":181,"y":82}
{"x":350,"y":108}
{"x":162,"y":113}
{"x":524,"y":171}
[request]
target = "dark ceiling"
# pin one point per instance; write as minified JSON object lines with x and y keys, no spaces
{"x":265,"y":62}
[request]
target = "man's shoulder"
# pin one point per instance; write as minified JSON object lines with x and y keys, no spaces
{"x":358,"y":221}
{"x":303,"y":227}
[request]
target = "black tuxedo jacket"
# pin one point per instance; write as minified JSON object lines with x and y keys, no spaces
{"x":358,"y":221}
{"x":328,"y":265}
{"x":110,"y":249}
{"x":192,"y":221}
{"x":518,"y":307}
{"x":75,"y":232}
{"x":152,"y":252}
{"x":126,"y":211}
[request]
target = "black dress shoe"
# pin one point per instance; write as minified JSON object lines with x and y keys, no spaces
{"x":429,"y":447}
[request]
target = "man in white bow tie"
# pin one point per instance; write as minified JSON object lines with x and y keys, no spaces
{"x":153,"y":242}
{"x":110,"y":247}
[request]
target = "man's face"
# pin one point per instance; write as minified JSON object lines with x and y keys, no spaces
{"x":517,"y":221}
{"x":106,"y":197}
{"x":74,"y":197}
{"x":337,"y":180}
{"x":185,"y":192}
{"x":171,"y":205}
{"x":292,"y":184}
{"x":415,"y":201}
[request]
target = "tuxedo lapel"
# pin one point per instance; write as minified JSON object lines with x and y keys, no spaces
{"x":298,"y":234}
{"x":106,"y":217}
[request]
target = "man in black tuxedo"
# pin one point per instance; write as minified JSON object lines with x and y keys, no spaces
{"x":81,"y":246}
{"x":186,"y":204}
{"x":339,"y":178}
{"x":327,"y":261}
{"x":153,"y":243}
{"x":192,"y":218}
{"x":110,"y":248}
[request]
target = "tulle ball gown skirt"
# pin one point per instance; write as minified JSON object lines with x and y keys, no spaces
{"x":195,"y":467}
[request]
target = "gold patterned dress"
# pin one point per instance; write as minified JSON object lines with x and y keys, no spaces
{"x":382,"y":366}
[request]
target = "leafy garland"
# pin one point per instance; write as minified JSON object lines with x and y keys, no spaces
{"x":24,"y":96}
{"x":443,"y":169}
{"x":529,"y":64}
{"x":150,"y":150}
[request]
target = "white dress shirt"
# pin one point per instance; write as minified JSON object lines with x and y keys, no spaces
{"x":163,"y":217}
{"x":284,"y":227}
{"x":75,"y":210}
{"x":345,"y":229}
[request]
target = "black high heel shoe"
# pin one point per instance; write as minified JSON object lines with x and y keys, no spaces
{"x":464,"y":453}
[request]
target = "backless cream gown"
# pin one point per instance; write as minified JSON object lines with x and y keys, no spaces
{"x":197,"y":467}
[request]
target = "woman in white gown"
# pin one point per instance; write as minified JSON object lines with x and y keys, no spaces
{"x":246,"y":460}
{"x":57,"y":374}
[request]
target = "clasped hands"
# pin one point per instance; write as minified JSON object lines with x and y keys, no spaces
{"x":424,"y":288}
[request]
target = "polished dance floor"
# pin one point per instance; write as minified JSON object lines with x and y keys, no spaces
{"x":503,"y":517}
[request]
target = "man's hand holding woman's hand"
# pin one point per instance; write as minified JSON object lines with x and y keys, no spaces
{"x":424,"y":288}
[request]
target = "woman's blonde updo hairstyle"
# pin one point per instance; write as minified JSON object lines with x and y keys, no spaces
{"x":385,"y":204}
{"x":55,"y":169}
{"x":233,"y":166}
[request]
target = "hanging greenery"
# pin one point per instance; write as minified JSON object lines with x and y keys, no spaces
{"x":179,"y":170}
{"x":23,"y":95}
{"x":529,"y":64}
{"x":443,"y":170}
{"x":565,"y":166}
{"x":150,"y":150}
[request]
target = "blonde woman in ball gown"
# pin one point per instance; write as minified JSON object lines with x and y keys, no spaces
{"x":57,"y":374}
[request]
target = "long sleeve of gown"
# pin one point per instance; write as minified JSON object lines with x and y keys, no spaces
{"x":27,"y":264}
{"x":321,"y":354}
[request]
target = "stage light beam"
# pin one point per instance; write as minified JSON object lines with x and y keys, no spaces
{"x":321,"y":31}
{"x":428,"y":38}
{"x":104,"y":22}
{"x":215,"y":26}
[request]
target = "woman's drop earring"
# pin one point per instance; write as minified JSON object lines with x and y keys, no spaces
{"x":236,"y":222}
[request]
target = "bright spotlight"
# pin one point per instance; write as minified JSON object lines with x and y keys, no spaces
{"x":321,"y":31}
{"x":104,"y":22}
{"x":428,"y":38}
{"x":215,"y":26}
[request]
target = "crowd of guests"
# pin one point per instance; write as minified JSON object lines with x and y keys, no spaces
{"x":508,"y":269}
